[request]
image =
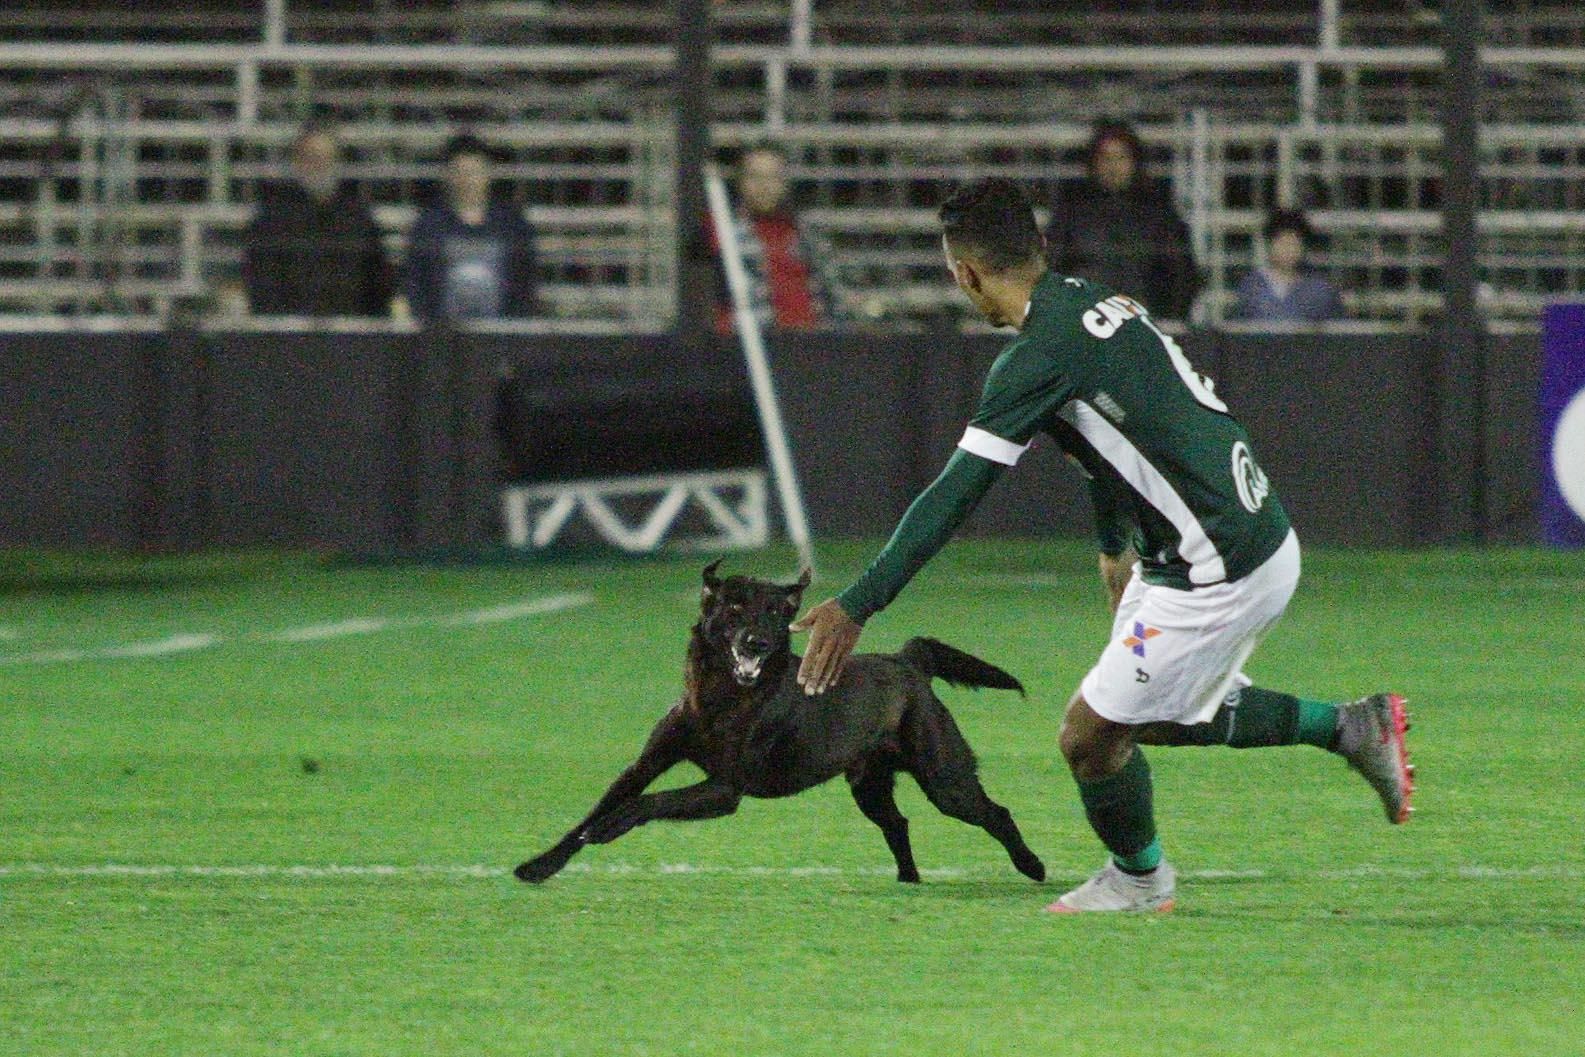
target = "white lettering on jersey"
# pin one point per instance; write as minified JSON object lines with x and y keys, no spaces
{"x":1203,"y":388}
{"x":1103,"y":320}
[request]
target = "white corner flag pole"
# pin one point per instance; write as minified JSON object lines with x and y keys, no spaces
{"x":753,"y":343}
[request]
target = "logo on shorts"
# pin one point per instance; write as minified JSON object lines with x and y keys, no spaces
{"x":1141,"y":635}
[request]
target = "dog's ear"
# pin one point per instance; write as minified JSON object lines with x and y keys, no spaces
{"x":795,"y":591}
{"x":712,"y":583}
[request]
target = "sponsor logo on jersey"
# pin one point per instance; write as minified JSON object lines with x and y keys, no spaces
{"x":1250,"y":479}
{"x":1110,"y":407}
{"x":1142,"y":634}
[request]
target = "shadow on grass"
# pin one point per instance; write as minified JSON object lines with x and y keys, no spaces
{"x":1495,"y":920}
{"x":1488,"y":919}
{"x":32,"y":572}
{"x":968,"y":890}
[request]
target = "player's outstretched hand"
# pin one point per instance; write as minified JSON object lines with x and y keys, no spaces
{"x":832,"y":636}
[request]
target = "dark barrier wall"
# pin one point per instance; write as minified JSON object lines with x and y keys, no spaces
{"x":184,"y":440}
{"x":367,"y":441}
{"x":874,"y":420}
{"x":1343,"y":428}
{"x":338,"y":440}
{"x":1513,"y":445}
{"x":78,"y":433}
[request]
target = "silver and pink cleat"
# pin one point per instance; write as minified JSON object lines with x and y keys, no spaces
{"x":1370,"y":736}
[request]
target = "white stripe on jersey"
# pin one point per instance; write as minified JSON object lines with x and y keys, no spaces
{"x":1205,"y":564}
{"x":988,"y":445}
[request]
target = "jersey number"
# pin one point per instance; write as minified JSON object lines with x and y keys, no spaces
{"x":1203,"y":388}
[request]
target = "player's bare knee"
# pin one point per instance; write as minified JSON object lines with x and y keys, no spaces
{"x":1079,"y":739}
{"x":1093,"y":746}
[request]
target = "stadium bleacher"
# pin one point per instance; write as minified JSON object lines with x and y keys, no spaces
{"x":133,"y":146}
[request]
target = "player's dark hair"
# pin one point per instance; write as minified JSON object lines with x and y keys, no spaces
{"x":994,"y":220}
{"x":1289,"y":220}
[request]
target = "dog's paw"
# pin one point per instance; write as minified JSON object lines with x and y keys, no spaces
{"x":540,"y":870}
{"x":1032,"y":868}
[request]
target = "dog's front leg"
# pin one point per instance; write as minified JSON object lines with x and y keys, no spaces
{"x":708,"y":799}
{"x":662,"y":752}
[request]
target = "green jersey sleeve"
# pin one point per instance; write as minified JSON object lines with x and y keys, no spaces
{"x":1023,"y":392}
{"x":925,"y":528}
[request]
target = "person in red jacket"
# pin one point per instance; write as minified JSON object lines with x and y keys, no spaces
{"x":787,"y":285}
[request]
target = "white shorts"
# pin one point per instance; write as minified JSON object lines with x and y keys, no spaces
{"x":1176,"y":655}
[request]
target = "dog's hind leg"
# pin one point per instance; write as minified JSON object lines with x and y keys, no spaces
{"x":939,"y":758}
{"x":872,"y":782}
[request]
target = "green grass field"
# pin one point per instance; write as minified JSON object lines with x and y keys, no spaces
{"x":179,"y":782}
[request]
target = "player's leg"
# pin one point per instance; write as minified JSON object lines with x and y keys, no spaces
{"x":1251,"y":717}
{"x":1113,"y":776}
{"x":1368,"y":733}
{"x":1115,"y":787}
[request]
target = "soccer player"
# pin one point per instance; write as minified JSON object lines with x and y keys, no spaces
{"x":1173,"y":480}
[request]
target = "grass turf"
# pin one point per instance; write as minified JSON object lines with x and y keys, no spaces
{"x":448,"y":751}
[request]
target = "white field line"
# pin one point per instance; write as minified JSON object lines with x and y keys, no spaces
{"x":333,"y":630}
{"x":163,"y":647}
{"x":516,"y":610}
{"x":311,"y":633}
{"x":376,"y":871}
{"x":468,"y":618}
{"x":9,"y":634}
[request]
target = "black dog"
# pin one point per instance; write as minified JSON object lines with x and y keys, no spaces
{"x":745,"y":721}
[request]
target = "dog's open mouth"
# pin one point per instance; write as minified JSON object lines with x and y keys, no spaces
{"x":746,"y":668}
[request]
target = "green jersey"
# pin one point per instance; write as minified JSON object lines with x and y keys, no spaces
{"x":1172,"y":472}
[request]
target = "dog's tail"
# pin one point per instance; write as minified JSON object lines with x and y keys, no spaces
{"x":937,"y":659}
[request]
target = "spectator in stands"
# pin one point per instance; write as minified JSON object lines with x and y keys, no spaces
{"x":470,"y":256}
{"x":1119,"y":228}
{"x":313,"y":248}
{"x":788,"y":285}
{"x":1283,"y":290}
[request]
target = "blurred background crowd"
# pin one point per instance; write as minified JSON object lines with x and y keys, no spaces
{"x":1270,"y":161}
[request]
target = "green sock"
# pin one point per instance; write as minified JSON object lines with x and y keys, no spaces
{"x":1142,"y":861}
{"x":1121,"y":812}
{"x":1317,"y":724}
{"x":1263,"y":718}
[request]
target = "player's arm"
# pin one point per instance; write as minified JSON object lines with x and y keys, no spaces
{"x":930,"y":522}
{"x":1113,"y":530}
{"x":1113,"y":504}
{"x":1022,"y":391}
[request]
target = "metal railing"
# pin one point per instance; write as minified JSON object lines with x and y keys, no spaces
{"x":793,"y":23}
{"x":872,"y":129}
